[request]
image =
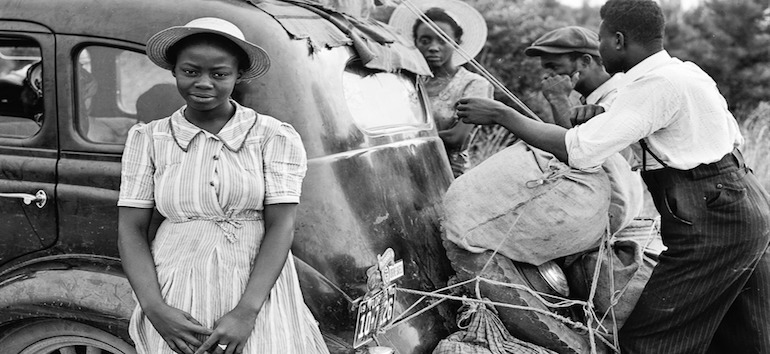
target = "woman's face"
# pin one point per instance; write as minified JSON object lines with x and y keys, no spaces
{"x":436,"y":51}
{"x":205,"y":77}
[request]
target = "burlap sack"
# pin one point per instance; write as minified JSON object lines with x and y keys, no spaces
{"x":535,"y":327}
{"x":631,"y":270}
{"x":528,"y":205}
{"x":627,"y":192}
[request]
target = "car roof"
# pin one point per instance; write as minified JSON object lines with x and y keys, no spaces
{"x":132,"y":20}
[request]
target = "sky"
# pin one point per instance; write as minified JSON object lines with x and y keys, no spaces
{"x":578,"y":3}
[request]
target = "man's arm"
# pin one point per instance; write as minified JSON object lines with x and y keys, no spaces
{"x":544,"y":136}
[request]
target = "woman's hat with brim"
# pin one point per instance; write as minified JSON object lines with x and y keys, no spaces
{"x":471,"y":21}
{"x":158,"y":45}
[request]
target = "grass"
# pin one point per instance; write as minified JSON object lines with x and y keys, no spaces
{"x":756,"y":130}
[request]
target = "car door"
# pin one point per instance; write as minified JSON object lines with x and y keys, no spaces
{"x":106,"y":87}
{"x":28,"y":141}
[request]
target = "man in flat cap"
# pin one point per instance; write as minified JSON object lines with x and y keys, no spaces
{"x":570,"y":56}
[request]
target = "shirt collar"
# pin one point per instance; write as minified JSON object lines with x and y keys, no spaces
{"x":232,"y":135}
{"x":609,"y":86}
{"x":648,"y":64}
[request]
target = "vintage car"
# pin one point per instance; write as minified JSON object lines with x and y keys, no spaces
{"x":74,"y":78}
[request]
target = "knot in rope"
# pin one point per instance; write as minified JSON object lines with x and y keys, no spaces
{"x":467,"y":310}
{"x":547,"y":177}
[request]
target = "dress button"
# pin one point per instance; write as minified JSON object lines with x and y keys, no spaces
{"x":211,"y":183}
{"x":216,"y":157}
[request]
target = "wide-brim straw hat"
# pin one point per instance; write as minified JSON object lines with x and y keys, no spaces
{"x":158,"y":45}
{"x":471,"y":21}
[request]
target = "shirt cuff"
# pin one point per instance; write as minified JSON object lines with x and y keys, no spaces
{"x":578,"y":157}
{"x":287,"y":199}
{"x":136,"y":203}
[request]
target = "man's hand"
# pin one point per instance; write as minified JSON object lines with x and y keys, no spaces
{"x":481,"y":111}
{"x":581,"y":114}
{"x":557,"y":86}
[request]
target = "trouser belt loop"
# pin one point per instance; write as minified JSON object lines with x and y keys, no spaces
{"x":739,"y":158}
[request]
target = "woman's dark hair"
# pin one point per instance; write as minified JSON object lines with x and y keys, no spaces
{"x":639,"y":20}
{"x":211,"y":39}
{"x":439,"y":15}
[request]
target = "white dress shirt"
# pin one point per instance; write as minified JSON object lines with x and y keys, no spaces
{"x":674,"y":105}
{"x":627,"y":198}
{"x":605,"y":94}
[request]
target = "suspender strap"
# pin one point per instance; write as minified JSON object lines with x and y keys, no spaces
{"x":645,"y":150}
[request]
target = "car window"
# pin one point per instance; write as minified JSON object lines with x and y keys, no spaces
{"x":21,"y":93}
{"x":116,"y":88}
{"x":381,"y":100}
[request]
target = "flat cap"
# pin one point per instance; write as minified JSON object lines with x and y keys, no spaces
{"x":565,"y":40}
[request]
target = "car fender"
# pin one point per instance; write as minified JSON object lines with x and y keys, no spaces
{"x":85,"y":288}
{"x":94,"y":289}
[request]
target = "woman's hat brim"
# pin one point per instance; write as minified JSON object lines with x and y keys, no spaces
{"x":159,"y":44}
{"x":468,"y":18}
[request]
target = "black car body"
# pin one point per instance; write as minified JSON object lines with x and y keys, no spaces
{"x":377,"y":168}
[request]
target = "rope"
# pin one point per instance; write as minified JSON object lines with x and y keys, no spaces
{"x":483,"y":71}
{"x":588,"y":307}
{"x":443,"y":297}
{"x":605,"y":249}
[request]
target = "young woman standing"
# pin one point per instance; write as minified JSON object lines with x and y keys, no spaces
{"x":219,"y":276}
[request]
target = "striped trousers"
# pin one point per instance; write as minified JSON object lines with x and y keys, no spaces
{"x":710,"y":292}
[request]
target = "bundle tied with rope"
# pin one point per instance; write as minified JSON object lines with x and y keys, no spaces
{"x":560,"y":210}
{"x":524,"y":205}
{"x":482,"y":332}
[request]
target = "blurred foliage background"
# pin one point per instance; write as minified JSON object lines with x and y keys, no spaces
{"x":729,"y":39}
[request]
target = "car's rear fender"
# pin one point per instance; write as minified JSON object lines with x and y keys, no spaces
{"x":94,"y":290}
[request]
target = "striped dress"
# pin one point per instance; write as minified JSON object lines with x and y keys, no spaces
{"x":212,"y":189}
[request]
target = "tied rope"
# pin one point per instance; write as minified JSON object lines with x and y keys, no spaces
{"x":480,"y":68}
{"x":594,"y":331}
{"x":605,"y":249}
{"x":550,"y":176}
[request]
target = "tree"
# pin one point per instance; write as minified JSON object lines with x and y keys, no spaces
{"x":730,"y":40}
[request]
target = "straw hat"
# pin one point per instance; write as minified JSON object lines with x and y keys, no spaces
{"x":159,"y":43}
{"x":473,"y":24}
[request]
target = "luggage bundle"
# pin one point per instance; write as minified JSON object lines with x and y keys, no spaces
{"x":483,"y":333}
{"x":528,"y":206}
{"x":521,"y":208}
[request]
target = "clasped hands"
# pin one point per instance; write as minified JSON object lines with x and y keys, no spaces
{"x":180,"y":330}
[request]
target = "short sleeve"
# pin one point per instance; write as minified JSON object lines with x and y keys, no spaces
{"x":479,"y":87}
{"x":137,"y":170}
{"x":285,"y":164}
